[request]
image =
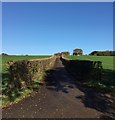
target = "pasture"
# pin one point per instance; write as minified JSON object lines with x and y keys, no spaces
{"x":107,"y":61}
{"x":5,"y":59}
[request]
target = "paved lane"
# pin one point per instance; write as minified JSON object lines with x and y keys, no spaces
{"x":59,"y":97}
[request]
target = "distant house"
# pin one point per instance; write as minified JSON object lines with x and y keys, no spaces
{"x":62,"y":53}
{"x":65,"y":53}
{"x":57,"y":54}
{"x":77,"y":52}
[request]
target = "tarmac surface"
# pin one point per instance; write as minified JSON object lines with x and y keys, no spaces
{"x":61,"y":96}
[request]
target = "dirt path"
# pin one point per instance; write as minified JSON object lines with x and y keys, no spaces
{"x":61,"y":97}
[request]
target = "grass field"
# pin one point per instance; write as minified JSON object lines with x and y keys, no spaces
{"x":5,"y":59}
{"x":107,"y":61}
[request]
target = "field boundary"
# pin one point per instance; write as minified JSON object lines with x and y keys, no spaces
{"x":83,"y":69}
{"x":42,"y":58}
{"x":28,"y":70}
{"x":25,"y":76}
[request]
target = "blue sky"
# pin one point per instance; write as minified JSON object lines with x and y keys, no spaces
{"x":47,"y":28}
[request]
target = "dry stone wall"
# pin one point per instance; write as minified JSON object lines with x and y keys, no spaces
{"x":83,"y":69}
{"x":24,"y":72}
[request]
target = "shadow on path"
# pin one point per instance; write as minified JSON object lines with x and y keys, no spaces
{"x":59,"y":79}
{"x":61,"y":97}
{"x":96,"y":100}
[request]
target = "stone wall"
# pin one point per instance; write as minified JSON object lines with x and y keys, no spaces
{"x":83,"y":69}
{"x":23,"y":73}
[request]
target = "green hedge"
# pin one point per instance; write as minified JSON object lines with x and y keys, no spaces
{"x":83,"y":69}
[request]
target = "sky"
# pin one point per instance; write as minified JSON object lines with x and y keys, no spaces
{"x":45,"y":28}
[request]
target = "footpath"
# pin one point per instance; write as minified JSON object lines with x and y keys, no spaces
{"x":61,"y":97}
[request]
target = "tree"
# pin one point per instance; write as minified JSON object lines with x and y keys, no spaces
{"x":103,"y":53}
{"x":4,"y":54}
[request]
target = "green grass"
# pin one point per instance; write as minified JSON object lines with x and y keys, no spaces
{"x":5,"y":59}
{"x":107,"y":84}
{"x":107,"y":61}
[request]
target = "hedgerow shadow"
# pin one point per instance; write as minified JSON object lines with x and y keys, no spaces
{"x":95,"y":90}
{"x":55,"y":80}
{"x":91,"y":98}
{"x":100,"y":94}
{"x":96,"y":100}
